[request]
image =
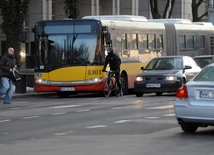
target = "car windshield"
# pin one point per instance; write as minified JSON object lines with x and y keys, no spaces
{"x":203,"y":61}
{"x":165,"y":64}
{"x":206,"y":74}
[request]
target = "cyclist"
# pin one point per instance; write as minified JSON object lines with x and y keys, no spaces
{"x":114,"y":62}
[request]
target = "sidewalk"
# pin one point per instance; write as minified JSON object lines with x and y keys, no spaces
{"x":30,"y":92}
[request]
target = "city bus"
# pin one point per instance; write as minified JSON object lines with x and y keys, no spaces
{"x":70,"y":54}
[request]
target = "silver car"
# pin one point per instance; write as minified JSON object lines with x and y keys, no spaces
{"x":194,"y":104}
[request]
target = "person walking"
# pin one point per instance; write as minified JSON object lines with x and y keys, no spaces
{"x":7,"y":63}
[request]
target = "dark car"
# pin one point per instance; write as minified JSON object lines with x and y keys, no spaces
{"x":204,"y":60}
{"x":165,"y":74}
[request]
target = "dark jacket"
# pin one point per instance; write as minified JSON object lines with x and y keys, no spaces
{"x":114,"y":62}
{"x":7,"y":62}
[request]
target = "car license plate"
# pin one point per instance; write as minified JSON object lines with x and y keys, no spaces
{"x":153,"y":85}
{"x":67,"y":89}
{"x":206,"y":94}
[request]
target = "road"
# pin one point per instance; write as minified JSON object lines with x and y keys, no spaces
{"x":93,"y":125}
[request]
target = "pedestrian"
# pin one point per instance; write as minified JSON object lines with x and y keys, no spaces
{"x":7,"y":63}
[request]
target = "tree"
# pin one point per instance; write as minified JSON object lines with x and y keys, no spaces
{"x":71,"y":8}
{"x":195,"y":7}
{"x":13,"y":13}
{"x":155,"y":12}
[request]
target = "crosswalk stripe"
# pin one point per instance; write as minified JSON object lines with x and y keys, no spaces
{"x":169,"y":115}
{"x":65,"y":106}
{"x":162,"y":107}
{"x":97,"y":126}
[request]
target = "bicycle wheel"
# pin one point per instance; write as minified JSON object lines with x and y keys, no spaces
{"x":122,"y":86}
{"x":108,"y":86}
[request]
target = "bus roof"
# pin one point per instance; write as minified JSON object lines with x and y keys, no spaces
{"x":118,"y":17}
{"x":171,"y":20}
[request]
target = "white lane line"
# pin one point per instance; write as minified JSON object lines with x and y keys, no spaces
{"x":65,"y":106}
{"x":97,"y":126}
{"x":6,"y":120}
{"x":15,"y":108}
{"x":63,"y":133}
{"x":59,"y":113}
{"x":162,"y":107}
{"x":169,"y":115}
{"x":122,"y":121}
{"x":124,"y":107}
{"x":84,"y":110}
{"x":31,"y":117}
{"x":151,"y":117}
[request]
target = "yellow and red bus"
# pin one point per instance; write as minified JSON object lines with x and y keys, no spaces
{"x":70,"y":54}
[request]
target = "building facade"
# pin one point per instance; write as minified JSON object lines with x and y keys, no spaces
{"x":54,"y":9}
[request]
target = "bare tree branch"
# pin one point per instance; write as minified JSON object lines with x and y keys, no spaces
{"x":166,"y":8}
{"x":172,"y":6}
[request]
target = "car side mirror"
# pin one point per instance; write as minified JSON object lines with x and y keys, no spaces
{"x":142,"y":68}
{"x":187,"y":67}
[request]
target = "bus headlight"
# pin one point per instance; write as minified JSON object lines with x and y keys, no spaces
{"x":139,"y":78}
{"x":171,"y":78}
{"x":94,"y":80}
{"x":42,"y":81}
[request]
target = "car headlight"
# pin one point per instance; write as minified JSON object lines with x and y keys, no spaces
{"x":171,"y":78}
{"x":139,"y":79}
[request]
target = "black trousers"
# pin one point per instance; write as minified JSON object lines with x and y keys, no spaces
{"x":117,"y":76}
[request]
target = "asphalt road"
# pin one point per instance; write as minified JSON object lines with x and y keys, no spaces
{"x":94,"y":125}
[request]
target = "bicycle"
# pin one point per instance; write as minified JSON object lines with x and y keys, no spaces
{"x":110,"y":85}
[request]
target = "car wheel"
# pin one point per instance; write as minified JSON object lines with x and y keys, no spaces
{"x":139,"y":94}
{"x":188,"y":127}
{"x":159,"y":93}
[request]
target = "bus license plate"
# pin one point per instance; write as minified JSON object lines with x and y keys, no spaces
{"x":153,"y":85}
{"x":67,"y":89}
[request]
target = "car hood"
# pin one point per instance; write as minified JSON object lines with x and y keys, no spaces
{"x":158,"y":72}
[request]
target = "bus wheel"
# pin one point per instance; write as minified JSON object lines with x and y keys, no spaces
{"x":159,"y":93}
{"x":62,"y":94}
{"x":125,"y":83}
{"x":139,"y":94}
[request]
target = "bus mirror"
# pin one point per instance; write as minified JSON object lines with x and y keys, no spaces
{"x":108,"y":38}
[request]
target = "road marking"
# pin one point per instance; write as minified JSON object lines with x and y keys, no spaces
{"x":31,"y":117}
{"x":65,"y":106}
{"x":6,"y":120}
{"x":59,"y":113}
{"x":97,"y":126}
{"x":169,"y":115}
{"x":122,"y":121}
{"x":162,"y":107}
{"x":63,"y":133}
{"x":151,"y":117}
{"x":15,"y":108}
{"x":84,"y":110}
{"x":124,"y":107}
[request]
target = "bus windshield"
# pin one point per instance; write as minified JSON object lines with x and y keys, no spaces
{"x":70,"y":45}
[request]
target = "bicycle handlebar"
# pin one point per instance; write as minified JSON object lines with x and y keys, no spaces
{"x":108,"y":71}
